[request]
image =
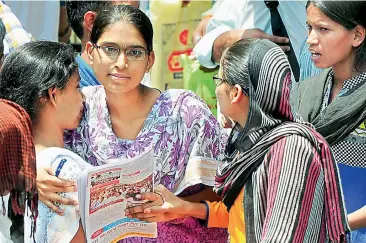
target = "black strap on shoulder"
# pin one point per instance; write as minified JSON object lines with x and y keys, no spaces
{"x":279,"y":29}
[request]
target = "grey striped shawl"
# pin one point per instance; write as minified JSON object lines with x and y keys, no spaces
{"x":280,"y":161}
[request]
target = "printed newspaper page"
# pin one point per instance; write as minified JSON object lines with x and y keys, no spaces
{"x":110,"y":189}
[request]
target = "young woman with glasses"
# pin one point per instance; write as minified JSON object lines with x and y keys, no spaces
{"x":123,"y":118}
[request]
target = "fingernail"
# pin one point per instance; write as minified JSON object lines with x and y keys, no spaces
{"x":138,"y":196}
{"x":127,"y":211}
{"x":147,"y":210}
{"x":76,"y":204}
{"x":129,"y":216}
{"x":61,"y":213}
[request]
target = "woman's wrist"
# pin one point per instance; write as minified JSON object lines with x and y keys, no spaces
{"x":357,"y":219}
{"x":196,"y":210}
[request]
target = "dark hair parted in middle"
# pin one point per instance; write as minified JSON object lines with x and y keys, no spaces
{"x":349,"y":14}
{"x":126,"y":13}
{"x":34,"y":68}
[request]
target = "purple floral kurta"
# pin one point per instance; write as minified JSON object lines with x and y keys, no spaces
{"x":187,"y":143}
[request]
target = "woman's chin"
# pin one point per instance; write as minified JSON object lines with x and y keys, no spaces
{"x":322,"y":65}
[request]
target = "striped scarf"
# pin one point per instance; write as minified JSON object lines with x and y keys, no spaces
{"x":273,"y":134}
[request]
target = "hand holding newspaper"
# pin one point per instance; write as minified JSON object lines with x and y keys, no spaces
{"x":104,"y":192}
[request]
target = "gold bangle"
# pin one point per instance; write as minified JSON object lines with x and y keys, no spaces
{"x":181,"y":222}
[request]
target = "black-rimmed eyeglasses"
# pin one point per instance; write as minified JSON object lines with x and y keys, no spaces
{"x":217,"y":80}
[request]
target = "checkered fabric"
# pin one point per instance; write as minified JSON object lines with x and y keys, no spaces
{"x":352,"y":149}
{"x":16,"y":35}
{"x":17,"y":158}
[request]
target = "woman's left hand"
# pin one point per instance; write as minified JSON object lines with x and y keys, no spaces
{"x":49,"y":185}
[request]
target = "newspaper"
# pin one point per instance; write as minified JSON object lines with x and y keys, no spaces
{"x":109,"y":190}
